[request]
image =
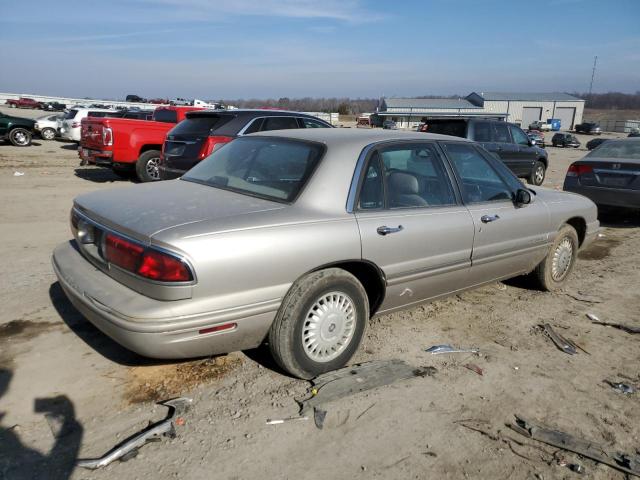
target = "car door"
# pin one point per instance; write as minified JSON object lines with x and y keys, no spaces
{"x":526,"y":155}
{"x":508,"y":240}
{"x":412,"y":223}
{"x":505,"y":148}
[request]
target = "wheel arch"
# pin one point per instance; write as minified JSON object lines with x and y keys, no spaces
{"x":545,"y":161}
{"x":580,"y":226}
{"x":146,"y":148}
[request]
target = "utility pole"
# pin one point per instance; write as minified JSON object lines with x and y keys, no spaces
{"x":593,"y":73}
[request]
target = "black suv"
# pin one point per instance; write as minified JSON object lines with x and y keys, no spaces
{"x":588,"y":127}
{"x":503,"y":139}
{"x":565,"y":140}
{"x":202,"y":132}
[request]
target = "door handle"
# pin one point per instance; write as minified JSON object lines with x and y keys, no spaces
{"x":384,"y":230}
{"x":489,"y":218}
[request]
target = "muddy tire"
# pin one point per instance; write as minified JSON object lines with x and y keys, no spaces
{"x":20,"y":137}
{"x":537,"y":173}
{"x":553,"y":271}
{"x":47,"y":134}
{"x":320,"y":324}
{"x":147,"y":166}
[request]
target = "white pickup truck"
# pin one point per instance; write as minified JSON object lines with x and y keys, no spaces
{"x":541,"y":126}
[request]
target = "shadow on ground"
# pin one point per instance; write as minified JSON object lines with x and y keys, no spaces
{"x":98,"y":175}
{"x":619,"y":218}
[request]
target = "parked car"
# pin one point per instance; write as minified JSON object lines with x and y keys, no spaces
{"x":19,"y":131}
{"x":634,"y":133}
{"x":541,"y":126}
{"x":48,"y":126}
{"x":423,"y":127}
{"x":389,"y":125}
{"x":565,"y":140}
{"x":53,"y":107}
{"x":506,"y":140}
{"x":70,"y":126}
{"x":537,"y":137}
{"x":195,"y":138}
{"x":24,"y":102}
{"x":595,"y":142}
{"x":134,"y":99}
{"x":588,"y":127}
{"x":300,"y":236}
{"x":129,"y":147}
{"x":609,"y":175}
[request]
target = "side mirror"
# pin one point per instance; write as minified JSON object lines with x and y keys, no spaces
{"x":523,"y":197}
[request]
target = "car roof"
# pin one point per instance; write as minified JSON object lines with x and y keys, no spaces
{"x":249,"y":112}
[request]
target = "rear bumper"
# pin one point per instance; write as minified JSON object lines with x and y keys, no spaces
{"x":610,"y":197}
{"x":167,"y":173}
{"x":115,"y":310}
{"x":99,"y":157}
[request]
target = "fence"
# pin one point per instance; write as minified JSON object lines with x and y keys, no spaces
{"x":621,"y":126}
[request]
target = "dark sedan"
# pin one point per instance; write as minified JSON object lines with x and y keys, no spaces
{"x":596,"y":142}
{"x":609,"y":175}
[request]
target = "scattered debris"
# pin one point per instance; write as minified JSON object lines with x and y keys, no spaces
{"x":621,"y":387}
{"x":438,"y":349}
{"x":18,"y":174}
{"x":501,"y":286}
{"x":318,"y":417}
{"x":366,"y":410}
{"x":474,"y":368}
{"x":350,"y":380}
{"x":129,"y":447}
{"x":583,"y":298}
{"x":576,"y":467}
{"x":618,"y":460}
{"x":562,"y":343}
{"x":425,"y":371}
{"x":278,"y":421}
{"x":620,"y":326}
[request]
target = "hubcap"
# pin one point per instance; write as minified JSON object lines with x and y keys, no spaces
{"x":20,"y":138}
{"x":152,"y":168}
{"x":48,"y":134}
{"x":329,"y":327}
{"x":562,"y":258}
{"x":539,"y":175}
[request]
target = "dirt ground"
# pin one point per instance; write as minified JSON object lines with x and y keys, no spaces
{"x":53,"y":361}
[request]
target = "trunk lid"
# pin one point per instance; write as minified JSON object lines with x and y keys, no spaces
{"x":611,"y":173}
{"x":91,"y":132}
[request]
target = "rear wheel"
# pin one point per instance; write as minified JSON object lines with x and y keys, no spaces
{"x":20,"y":137}
{"x":147,"y":166}
{"x":537,"y":173}
{"x":553,"y":271}
{"x":48,"y":133}
{"x":320,"y":323}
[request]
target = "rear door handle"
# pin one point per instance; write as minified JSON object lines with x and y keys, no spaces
{"x":489,"y":218}
{"x":384,"y":230}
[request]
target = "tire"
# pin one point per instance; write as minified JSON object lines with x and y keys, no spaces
{"x":538,"y":173}
{"x":563,"y":259}
{"x":13,"y":105}
{"x":147,"y":166}
{"x":291,"y":350}
{"x":20,"y":137}
{"x":47,"y":134}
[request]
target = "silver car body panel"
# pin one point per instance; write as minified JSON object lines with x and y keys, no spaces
{"x":247,"y":252}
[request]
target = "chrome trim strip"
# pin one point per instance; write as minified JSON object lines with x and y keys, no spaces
{"x":623,"y":172}
{"x":419,"y":274}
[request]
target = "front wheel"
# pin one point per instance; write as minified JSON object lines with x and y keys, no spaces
{"x":553,"y":271}
{"x":48,"y":134}
{"x":537,"y":173}
{"x":147,"y":166}
{"x":320,"y":323}
{"x":20,"y":137}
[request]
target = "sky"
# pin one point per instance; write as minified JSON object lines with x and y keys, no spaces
{"x":215,"y":49}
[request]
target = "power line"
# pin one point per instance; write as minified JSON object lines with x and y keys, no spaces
{"x":593,"y":73}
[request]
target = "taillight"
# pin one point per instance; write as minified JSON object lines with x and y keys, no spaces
{"x":146,"y":262}
{"x":107,"y":136}
{"x":575,"y":170}
{"x":211,"y":144}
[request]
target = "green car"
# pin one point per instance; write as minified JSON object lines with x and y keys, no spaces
{"x":18,"y":131}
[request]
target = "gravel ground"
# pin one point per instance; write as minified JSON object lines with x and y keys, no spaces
{"x":52,"y":360}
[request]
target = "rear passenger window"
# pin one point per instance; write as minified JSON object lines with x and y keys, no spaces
{"x":279,"y":123}
{"x":415,"y":177}
{"x":309,"y":123}
{"x":480,"y":182}
{"x":482,"y":132}
{"x":254,"y":126}
{"x":501,"y":133}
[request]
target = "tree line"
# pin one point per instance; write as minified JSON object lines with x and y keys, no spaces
{"x":611,"y":100}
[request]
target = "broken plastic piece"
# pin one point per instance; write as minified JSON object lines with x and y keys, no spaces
{"x":18,"y":174}
{"x":619,"y":326}
{"x":438,"y":349}
{"x":128,"y":449}
{"x":278,"y":421}
{"x":562,"y":343}
{"x":621,"y":387}
{"x":474,"y":368}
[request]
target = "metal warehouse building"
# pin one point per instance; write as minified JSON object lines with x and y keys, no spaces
{"x":520,"y":108}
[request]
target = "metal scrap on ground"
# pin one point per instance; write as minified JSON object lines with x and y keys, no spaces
{"x":621,"y":387}
{"x":618,"y":460}
{"x":358,"y":378}
{"x":129,"y":448}
{"x":278,"y":421}
{"x":438,"y":349}
{"x":620,"y":326}
{"x":567,"y":346}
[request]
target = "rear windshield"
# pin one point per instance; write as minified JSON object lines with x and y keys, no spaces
{"x":200,"y":125}
{"x":621,"y":149}
{"x":70,"y":115}
{"x":272,"y":168}
{"x":455,"y":129}
{"x":165,"y":115}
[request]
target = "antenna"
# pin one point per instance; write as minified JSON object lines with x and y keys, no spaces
{"x":593,"y":73}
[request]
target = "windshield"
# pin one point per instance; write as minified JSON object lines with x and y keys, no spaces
{"x":272,"y":168}
{"x":620,"y":149}
{"x":200,"y":125}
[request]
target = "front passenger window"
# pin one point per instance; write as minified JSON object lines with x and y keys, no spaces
{"x":518,"y":136}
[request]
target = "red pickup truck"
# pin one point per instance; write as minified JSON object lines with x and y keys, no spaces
{"x":24,"y":102}
{"x":129,"y":147}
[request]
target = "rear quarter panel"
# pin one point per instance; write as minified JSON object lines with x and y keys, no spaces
{"x":130,"y":136}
